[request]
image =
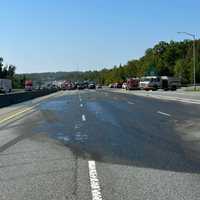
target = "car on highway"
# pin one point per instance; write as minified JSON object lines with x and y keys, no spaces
{"x":98,"y":86}
{"x":67,"y":85}
{"x":80,"y":86}
{"x":91,"y":86}
{"x":117,"y":85}
{"x":111,"y":85}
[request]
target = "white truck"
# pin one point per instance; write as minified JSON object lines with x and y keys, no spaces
{"x":170,"y":83}
{"x":5,"y":85}
{"x":159,"y":82}
{"x":150,"y":83}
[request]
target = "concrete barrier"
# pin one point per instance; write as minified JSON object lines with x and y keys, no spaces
{"x":9,"y":99}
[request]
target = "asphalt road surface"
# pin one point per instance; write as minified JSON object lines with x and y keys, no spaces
{"x":95,"y":144}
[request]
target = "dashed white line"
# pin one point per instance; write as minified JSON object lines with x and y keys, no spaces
{"x":79,"y":97}
{"x":83,"y":118}
{"x":163,"y":113}
{"x":94,"y":181}
{"x":81,"y":105}
{"x":130,"y":102}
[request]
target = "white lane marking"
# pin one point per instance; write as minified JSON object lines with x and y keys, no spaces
{"x":178,"y":99}
{"x":79,"y":97}
{"x":81,"y":105}
{"x":130,"y":102}
{"x":83,"y":118}
{"x":162,"y":113}
{"x":94,"y":181}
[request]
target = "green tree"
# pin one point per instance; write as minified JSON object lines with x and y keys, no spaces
{"x":182,"y":70}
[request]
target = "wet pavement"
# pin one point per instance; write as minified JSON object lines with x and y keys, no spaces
{"x":143,"y":148}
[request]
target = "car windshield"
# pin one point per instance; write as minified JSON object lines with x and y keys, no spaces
{"x":100,"y":100}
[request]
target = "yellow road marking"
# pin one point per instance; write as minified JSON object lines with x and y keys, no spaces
{"x":16,"y":114}
{"x":30,"y":108}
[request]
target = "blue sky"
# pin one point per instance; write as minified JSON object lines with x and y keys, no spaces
{"x":67,"y":35}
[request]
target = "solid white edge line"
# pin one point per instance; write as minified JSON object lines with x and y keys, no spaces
{"x":163,"y":113}
{"x":94,"y":181}
{"x":129,"y":102}
{"x":83,"y":118}
{"x":178,"y":99}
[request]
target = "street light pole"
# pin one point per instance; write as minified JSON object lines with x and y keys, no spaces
{"x":194,"y":56}
{"x":194,"y":61}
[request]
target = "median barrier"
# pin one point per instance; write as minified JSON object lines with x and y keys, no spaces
{"x":13,"y":98}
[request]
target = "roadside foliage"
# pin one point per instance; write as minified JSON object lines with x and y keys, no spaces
{"x":164,"y":59}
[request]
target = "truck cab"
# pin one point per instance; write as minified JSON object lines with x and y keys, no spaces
{"x":150,"y":83}
{"x":132,"y":84}
{"x":28,"y":85}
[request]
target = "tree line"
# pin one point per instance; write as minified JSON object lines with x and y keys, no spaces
{"x":164,"y":59}
{"x":8,"y":72}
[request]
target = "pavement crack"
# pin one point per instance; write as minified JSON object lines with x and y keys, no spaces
{"x":75,"y":178}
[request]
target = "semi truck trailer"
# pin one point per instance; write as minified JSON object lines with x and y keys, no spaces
{"x":5,"y":85}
